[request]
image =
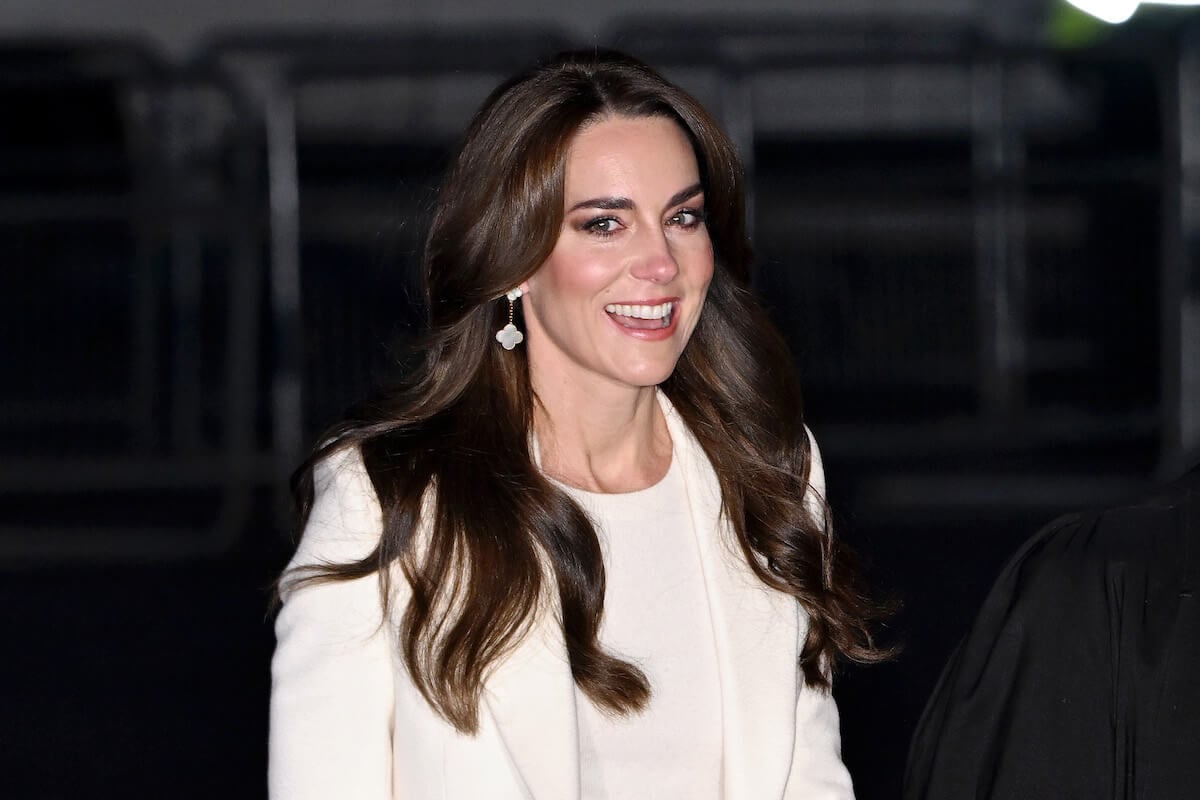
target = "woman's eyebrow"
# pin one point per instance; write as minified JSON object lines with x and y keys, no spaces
{"x":685,"y":194}
{"x":606,"y":203}
{"x":625,"y":204}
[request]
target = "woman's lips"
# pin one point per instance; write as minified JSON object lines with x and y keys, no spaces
{"x":645,"y":320}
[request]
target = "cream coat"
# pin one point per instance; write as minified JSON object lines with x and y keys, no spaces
{"x":346,"y":721}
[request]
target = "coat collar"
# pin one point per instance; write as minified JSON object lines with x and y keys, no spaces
{"x":531,"y":696}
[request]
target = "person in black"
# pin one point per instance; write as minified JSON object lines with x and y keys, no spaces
{"x":1081,"y":675}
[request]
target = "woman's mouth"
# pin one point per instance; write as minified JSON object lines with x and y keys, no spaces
{"x":642,"y":317}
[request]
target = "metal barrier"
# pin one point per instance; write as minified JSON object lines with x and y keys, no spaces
{"x":280,"y":70}
{"x":209,"y":280}
{"x":1180,"y":284}
{"x":127,"y":206}
{"x":935,"y":260}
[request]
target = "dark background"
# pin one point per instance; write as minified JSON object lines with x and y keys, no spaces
{"x":976,"y":229}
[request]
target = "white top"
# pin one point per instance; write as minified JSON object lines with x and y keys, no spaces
{"x":656,"y":616}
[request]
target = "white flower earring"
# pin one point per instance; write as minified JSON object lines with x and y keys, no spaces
{"x":508,"y":336}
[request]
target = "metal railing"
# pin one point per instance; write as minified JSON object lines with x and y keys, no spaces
{"x":129,"y":433}
{"x":1007,"y":194}
{"x":230,"y":296}
{"x":277,"y":68}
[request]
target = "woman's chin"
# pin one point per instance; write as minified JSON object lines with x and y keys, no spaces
{"x":648,"y":373}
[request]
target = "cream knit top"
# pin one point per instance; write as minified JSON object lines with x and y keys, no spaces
{"x":656,"y":616}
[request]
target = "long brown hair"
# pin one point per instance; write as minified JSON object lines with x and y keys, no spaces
{"x":475,"y":529}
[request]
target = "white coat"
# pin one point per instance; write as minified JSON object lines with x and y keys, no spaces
{"x":347,"y":722}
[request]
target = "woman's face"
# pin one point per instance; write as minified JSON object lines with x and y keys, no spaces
{"x":619,"y":296}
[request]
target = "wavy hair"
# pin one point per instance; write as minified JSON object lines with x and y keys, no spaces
{"x":479,"y":534}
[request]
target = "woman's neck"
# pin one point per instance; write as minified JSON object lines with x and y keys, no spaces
{"x":602,"y":441}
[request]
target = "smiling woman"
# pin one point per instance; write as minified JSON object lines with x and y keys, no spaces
{"x":591,"y":558}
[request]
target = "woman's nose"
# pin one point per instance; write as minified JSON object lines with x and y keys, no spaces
{"x":655,"y":261}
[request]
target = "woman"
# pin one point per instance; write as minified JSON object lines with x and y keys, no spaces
{"x":583,"y":551}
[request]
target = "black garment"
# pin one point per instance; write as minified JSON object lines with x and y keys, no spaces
{"x":1081,"y":675}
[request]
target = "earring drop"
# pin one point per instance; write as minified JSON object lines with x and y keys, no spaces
{"x":508,"y":336}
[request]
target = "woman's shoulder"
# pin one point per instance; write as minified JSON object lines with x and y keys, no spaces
{"x":345,"y":521}
{"x":342,"y":471}
{"x":689,"y":445}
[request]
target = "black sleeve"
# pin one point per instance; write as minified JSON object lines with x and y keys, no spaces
{"x":1079,"y":676}
{"x":1014,"y":714}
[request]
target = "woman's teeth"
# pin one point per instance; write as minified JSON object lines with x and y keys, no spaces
{"x":661,"y":312}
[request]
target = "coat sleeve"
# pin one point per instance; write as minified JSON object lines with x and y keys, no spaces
{"x":332,"y":678}
{"x":1034,"y":704}
{"x":817,"y":771}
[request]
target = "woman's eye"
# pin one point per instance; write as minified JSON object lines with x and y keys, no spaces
{"x":604,"y":226}
{"x":687,"y":218}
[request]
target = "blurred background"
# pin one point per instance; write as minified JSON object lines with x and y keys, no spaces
{"x":977,"y":224}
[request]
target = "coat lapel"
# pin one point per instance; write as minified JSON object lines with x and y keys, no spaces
{"x":531,"y":697}
{"x":755,"y":630}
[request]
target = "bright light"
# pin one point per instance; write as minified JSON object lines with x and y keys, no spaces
{"x":1116,"y":11}
{"x":1112,"y":11}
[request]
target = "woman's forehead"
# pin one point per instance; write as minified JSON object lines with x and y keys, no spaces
{"x":643,"y":155}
